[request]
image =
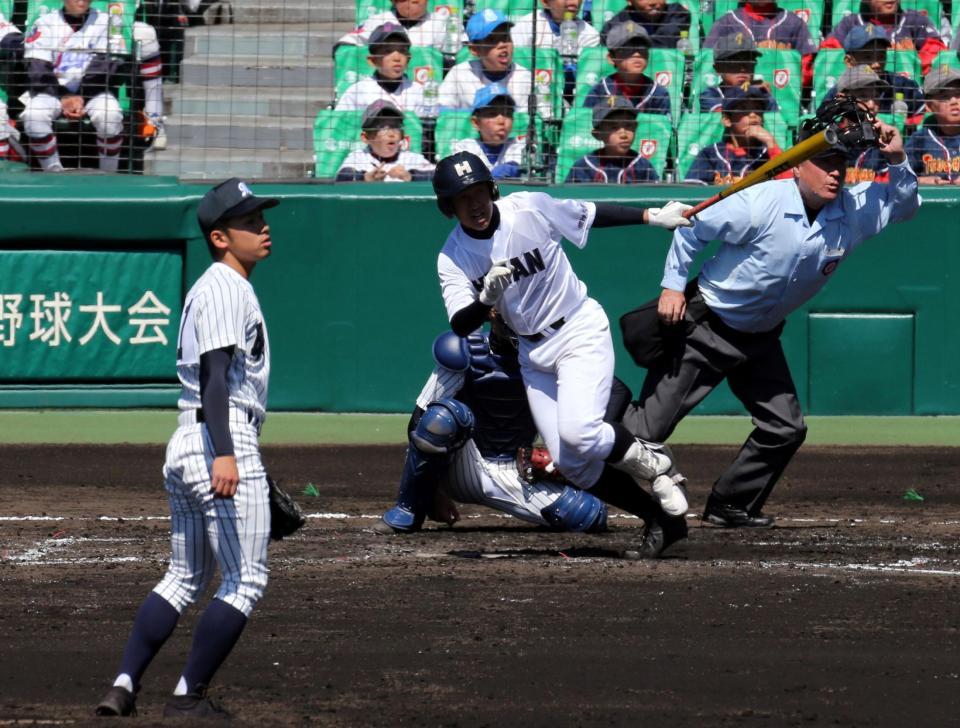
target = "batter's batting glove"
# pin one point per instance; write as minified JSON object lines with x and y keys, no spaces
{"x":670,"y":216}
{"x":495,"y":282}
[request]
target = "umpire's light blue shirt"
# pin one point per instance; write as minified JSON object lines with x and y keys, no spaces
{"x":773,"y":259}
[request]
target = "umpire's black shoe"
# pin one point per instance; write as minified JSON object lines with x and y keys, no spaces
{"x":658,"y":536}
{"x":118,"y":701}
{"x":728,"y":515}
{"x":194,"y":705}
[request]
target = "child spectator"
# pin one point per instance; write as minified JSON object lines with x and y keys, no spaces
{"x":867,"y":45}
{"x":907,"y":30}
{"x":384,"y":159}
{"x":616,"y":162}
{"x":11,"y":51}
{"x":663,"y":21}
{"x":934,"y":150}
{"x":630,"y":53}
{"x":770,"y":27}
{"x":549,"y":18}
{"x":746,"y":143}
{"x":734,"y":60}
{"x":423,"y":28}
{"x":492,"y":117}
{"x":390,"y":56}
{"x":869,"y":88}
{"x":488,"y":32}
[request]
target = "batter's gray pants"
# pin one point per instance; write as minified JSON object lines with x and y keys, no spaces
{"x":757,"y":372}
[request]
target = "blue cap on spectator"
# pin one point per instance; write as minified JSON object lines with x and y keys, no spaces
{"x":860,"y":35}
{"x":488,"y":94}
{"x":737,"y":97}
{"x":610,"y":105}
{"x":733,"y":45}
{"x":484,"y":23}
{"x":627,"y":33}
{"x":382,"y":33}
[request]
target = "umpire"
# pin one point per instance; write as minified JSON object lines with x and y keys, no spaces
{"x":780,"y":243}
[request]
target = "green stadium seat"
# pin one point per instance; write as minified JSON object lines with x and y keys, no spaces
{"x":842,"y":8}
{"x":666,"y":68}
{"x":697,"y":131}
{"x":811,"y":11}
{"x":603,"y":10}
{"x":829,"y":66}
{"x":366,"y":8}
{"x":947,"y":58}
{"x":654,"y":137}
{"x":453,"y":126}
{"x":337,"y":133}
{"x":779,"y":68}
{"x":350,"y":65}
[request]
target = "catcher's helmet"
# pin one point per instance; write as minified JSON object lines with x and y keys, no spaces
{"x":457,"y":172}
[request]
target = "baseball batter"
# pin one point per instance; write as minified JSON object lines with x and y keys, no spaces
{"x":215,"y":481}
{"x":471,"y":418}
{"x":507,"y":254}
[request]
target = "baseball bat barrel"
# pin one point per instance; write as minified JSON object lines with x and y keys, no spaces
{"x":808,"y":148}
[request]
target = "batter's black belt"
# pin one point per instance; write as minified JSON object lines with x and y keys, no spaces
{"x":196,"y":416}
{"x":556,"y":326}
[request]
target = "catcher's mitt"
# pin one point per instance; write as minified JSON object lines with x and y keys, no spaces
{"x":285,"y":515}
{"x":535,"y":465}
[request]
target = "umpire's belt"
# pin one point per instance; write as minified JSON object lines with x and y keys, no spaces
{"x":552,"y":329}
{"x":237,"y":416}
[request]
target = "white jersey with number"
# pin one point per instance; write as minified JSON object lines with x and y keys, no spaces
{"x":53,"y":40}
{"x":221,"y":310}
{"x":545,"y":287}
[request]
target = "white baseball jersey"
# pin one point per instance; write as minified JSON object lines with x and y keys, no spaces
{"x":511,"y":151}
{"x":545,"y":288}
{"x":428,"y":31}
{"x":222,"y":310}
{"x":364,"y":161}
{"x":70,"y":52}
{"x":464,"y":80}
{"x":491,"y":482}
{"x":587,"y":36}
{"x":407,"y":97}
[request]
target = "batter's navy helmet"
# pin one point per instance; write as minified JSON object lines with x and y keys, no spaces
{"x":457,"y":172}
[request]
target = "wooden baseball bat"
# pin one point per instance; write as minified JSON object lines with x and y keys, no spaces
{"x":808,"y":148}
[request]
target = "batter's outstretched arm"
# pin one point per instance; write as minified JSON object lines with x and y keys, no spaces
{"x":469,"y":319}
{"x":669,"y":216}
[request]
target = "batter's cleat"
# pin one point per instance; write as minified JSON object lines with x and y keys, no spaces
{"x":670,"y":495}
{"x":728,"y":515}
{"x":644,"y":461}
{"x":194,"y":705}
{"x":399,"y":520}
{"x":118,"y":701}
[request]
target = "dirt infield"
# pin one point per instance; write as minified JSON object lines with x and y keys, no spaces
{"x":847,"y":613}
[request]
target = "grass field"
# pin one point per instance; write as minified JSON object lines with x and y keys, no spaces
{"x":289,"y":428}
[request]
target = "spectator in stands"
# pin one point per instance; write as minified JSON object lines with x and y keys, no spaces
{"x":907,"y":30}
{"x":629,"y":47}
{"x":11,"y":51}
{"x":384,"y":159}
{"x":489,"y":34}
{"x":663,"y":21}
{"x":150,"y":80}
{"x":389,"y":54}
{"x":424,"y":29}
{"x":734,"y":60}
{"x":169,"y":19}
{"x":746,"y":143}
{"x":74,"y":71}
{"x":868,"y":88}
{"x":492,"y":117}
{"x":934,"y":150}
{"x":867,"y":45}
{"x":770,"y":27}
{"x":616,"y":162}
{"x":549,"y":18}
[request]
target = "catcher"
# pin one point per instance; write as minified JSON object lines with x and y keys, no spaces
{"x":471,"y":441}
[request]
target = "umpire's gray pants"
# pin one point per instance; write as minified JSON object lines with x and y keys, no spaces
{"x":757,"y":372}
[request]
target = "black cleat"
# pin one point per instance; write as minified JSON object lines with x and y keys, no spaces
{"x":118,"y":701}
{"x":728,"y":515}
{"x":659,"y":535}
{"x":193,"y":706}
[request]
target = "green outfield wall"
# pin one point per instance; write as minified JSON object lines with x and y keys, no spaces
{"x":93,"y":270}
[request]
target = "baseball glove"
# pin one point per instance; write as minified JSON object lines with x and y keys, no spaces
{"x":285,"y":515}
{"x":535,"y":465}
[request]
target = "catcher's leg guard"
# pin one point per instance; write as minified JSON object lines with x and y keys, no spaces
{"x":576,"y":510}
{"x":443,"y":428}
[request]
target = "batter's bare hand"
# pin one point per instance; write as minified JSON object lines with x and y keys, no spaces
{"x":890,"y":142}
{"x":670,"y":216}
{"x":224,"y":476}
{"x":671,"y":306}
{"x":72,"y":106}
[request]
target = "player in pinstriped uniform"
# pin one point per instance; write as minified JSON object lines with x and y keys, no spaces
{"x":215,"y":480}
{"x":477,"y":381}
